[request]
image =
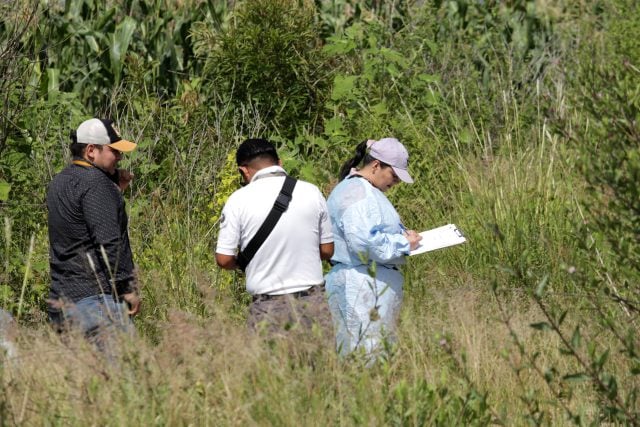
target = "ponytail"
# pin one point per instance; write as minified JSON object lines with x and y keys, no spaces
{"x":361,"y":151}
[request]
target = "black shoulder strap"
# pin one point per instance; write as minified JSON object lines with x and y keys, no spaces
{"x":280,"y":205}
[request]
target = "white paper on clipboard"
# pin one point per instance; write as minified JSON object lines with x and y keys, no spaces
{"x":438,"y":238}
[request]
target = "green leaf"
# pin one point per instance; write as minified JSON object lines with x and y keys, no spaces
{"x":343,"y":87}
{"x":466,"y":136}
{"x":549,"y":375}
{"x":53,"y":80}
{"x":379,"y":109}
{"x":576,"y":338}
{"x":5,"y":188}
{"x":576,"y":378}
{"x":120,"y":41}
{"x":308,"y":172}
{"x":393,"y":56}
{"x":333,"y":126}
{"x":429,"y":78}
{"x":339,"y":47}
{"x":602,"y":359}
{"x":93,"y":44}
{"x":565,"y":352}
{"x":432,"y":98}
{"x":541,"y":326}
{"x":383,"y":291}
{"x":563,"y":315}
{"x":541,"y":285}
{"x":105,"y":20}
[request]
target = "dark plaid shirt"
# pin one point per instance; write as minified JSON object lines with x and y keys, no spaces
{"x":87,"y":213}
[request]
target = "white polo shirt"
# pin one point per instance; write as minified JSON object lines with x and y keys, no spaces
{"x":289,"y":259}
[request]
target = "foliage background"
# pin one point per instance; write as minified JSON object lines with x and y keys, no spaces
{"x":521,"y":118}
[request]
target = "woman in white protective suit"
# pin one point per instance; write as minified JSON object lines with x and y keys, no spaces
{"x":365,"y":301}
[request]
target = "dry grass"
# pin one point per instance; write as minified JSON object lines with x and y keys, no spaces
{"x":213,"y":372}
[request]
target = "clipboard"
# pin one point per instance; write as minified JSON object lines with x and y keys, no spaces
{"x":438,"y":238}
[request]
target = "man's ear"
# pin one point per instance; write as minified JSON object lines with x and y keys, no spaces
{"x":89,"y":152}
{"x":244,"y":171}
{"x":280,"y":162}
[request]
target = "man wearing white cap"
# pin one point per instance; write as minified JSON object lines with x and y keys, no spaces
{"x":93,"y":285}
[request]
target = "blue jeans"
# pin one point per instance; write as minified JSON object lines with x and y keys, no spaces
{"x":99,"y":318}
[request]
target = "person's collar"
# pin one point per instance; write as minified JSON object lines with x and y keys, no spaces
{"x":269,"y":171}
{"x":354,"y":172}
{"x":82,"y":162}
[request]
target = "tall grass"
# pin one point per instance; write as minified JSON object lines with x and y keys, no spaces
{"x":213,"y":372}
{"x":194,"y":362}
{"x":485,"y":157}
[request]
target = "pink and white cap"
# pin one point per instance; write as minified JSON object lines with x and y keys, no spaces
{"x":393,"y":153}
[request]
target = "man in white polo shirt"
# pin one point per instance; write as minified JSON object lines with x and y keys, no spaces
{"x":285,"y":274}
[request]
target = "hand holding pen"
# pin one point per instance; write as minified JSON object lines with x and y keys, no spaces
{"x":412,"y":236}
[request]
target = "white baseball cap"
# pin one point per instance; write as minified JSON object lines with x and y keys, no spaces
{"x":393,"y":153}
{"x":102,"y":132}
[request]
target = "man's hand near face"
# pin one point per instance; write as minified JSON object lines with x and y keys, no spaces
{"x":124,"y":178}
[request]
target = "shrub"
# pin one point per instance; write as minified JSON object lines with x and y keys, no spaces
{"x":268,"y":58}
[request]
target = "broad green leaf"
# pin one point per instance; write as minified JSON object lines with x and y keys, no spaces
{"x":320,"y":142}
{"x":354,"y":31}
{"x":393,"y":56}
{"x":393,"y":70}
{"x":120,"y":40}
{"x":333,"y":126}
{"x":432,"y":98}
{"x":308,"y":172}
{"x":5,"y":188}
{"x":379,"y":109}
{"x":343,"y":87}
{"x":339,"y":47}
{"x":429,"y":78}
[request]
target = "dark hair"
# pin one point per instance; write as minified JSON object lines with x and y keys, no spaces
{"x":256,"y":148}
{"x":361,"y":157}
{"x":77,"y":150}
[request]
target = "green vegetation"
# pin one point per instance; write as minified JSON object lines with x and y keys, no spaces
{"x":522,"y":121}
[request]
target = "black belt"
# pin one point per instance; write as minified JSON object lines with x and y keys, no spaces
{"x":305,"y":293}
{"x":390,"y":267}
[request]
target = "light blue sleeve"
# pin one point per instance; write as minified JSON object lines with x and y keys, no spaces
{"x":365,"y":233}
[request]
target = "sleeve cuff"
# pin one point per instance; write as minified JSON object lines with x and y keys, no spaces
{"x":226,"y":251}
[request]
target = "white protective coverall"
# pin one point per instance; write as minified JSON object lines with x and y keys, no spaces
{"x":366,"y":228}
